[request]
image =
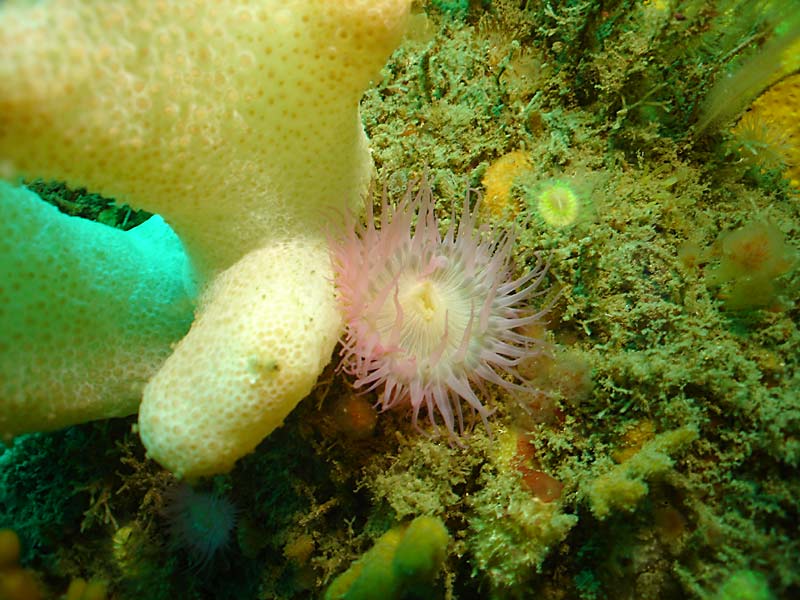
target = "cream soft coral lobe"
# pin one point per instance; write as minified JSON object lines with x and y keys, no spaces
{"x":237,"y":121}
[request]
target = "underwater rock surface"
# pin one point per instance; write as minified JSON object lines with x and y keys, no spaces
{"x":648,"y":152}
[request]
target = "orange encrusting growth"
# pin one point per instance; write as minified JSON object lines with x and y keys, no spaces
{"x":751,"y":259}
{"x":499,"y":179}
{"x":16,"y":583}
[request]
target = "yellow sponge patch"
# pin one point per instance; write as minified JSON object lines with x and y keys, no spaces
{"x":499,"y":179}
{"x":779,"y":106}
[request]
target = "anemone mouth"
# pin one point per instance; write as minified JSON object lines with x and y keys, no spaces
{"x":430,"y":317}
{"x":425,"y":316}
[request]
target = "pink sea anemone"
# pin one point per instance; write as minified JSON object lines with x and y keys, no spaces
{"x":430,"y":317}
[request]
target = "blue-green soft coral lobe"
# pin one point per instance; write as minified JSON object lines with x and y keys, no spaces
{"x":87,"y":313}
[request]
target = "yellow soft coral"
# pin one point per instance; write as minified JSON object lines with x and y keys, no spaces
{"x":237,"y":121}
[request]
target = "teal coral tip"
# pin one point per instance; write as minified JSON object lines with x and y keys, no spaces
{"x":87,"y":313}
